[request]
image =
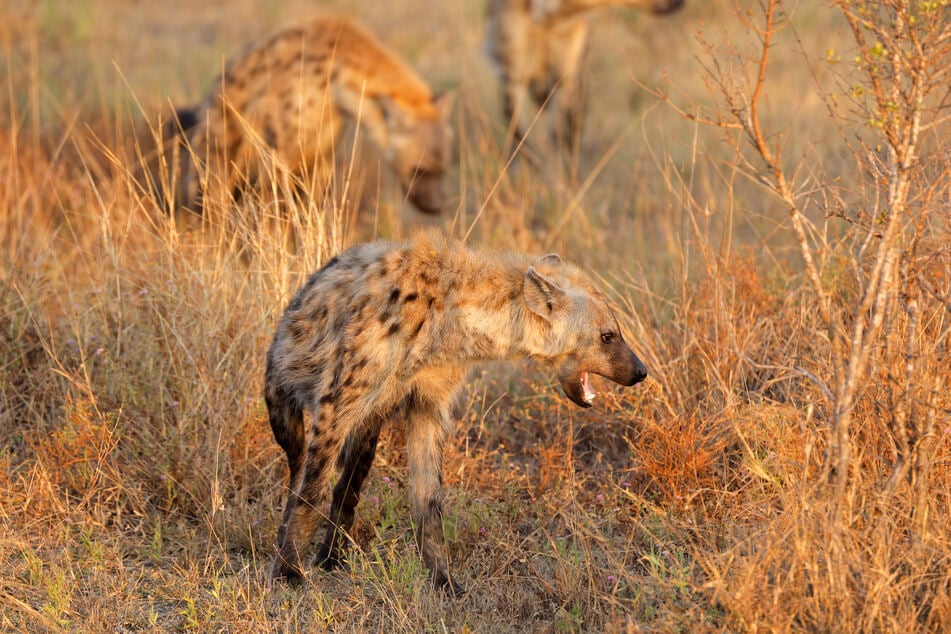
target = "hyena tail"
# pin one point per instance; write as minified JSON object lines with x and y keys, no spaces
{"x":287,"y":423}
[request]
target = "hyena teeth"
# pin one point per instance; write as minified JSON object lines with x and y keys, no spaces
{"x":586,"y":387}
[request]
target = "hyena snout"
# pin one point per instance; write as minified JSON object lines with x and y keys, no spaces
{"x":633,"y":373}
{"x":660,"y":7}
{"x":426,"y":190}
{"x":621,"y":366}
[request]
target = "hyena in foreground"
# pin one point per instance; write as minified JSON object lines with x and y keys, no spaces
{"x":287,"y":100}
{"x":388,"y":327}
{"x":538,"y":49}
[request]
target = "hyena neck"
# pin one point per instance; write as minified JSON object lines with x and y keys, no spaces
{"x":491,"y":318}
{"x":368,"y":80}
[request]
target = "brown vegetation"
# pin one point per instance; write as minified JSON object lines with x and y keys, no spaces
{"x":776,"y":237}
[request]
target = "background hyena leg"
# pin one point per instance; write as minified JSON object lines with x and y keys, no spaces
{"x":521,"y":113}
{"x":305,"y":510}
{"x":427,"y":426}
{"x":355,"y":460}
{"x":569,"y":108}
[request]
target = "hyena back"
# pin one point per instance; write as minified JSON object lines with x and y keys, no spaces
{"x":387,"y":327}
{"x":288,"y":99}
{"x":538,"y":48}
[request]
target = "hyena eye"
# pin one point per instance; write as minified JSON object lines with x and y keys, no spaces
{"x":607,"y":337}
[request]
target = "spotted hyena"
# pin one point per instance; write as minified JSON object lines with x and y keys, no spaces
{"x":288,"y":99}
{"x":386,"y":328}
{"x":538,"y":48}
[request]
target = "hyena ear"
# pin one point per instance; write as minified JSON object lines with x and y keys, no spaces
{"x":542,"y":296}
{"x":552,"y":259}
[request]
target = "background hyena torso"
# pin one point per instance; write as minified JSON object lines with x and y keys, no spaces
{"x":538,"y":46}
{"x":386,"y":327}
{"x":286,"y":100}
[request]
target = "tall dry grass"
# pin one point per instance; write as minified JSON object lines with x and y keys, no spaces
{"x":778,"y":256}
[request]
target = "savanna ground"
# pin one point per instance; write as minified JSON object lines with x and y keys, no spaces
{"x":775,"y":234}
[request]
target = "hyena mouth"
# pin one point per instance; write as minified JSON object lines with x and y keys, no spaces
{"x":586,"y":389}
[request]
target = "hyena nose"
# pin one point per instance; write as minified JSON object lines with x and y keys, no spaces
{"x":640,"y":372}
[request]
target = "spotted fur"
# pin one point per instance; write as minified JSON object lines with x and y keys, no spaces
{"x":538,"y":49}
{"x":392,"y":327}
{"x":287,"y":100}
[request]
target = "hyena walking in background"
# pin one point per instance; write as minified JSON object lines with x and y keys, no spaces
{"x":538,"y":49}
{"x":288,"y":99}
{"x":389,"y":327}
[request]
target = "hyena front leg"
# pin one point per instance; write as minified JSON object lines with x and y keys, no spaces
{"x":354,"y":461}
{"x":428,"y":424}
{"x":306,"y":502}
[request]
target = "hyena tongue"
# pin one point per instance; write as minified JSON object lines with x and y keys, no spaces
{"x":586,"y":387}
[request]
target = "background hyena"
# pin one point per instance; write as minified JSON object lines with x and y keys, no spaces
{"x":386,"y":326}
{"x":287,"y":100}
{"x":538,"y":46}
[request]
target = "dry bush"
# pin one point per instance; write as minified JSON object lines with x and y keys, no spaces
{"x":869,"y":549}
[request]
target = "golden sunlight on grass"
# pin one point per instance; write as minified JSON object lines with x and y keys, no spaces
{"x":762,"y":189}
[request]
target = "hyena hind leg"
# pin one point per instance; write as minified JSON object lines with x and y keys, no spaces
{"x":354,"y":461}
{"x":305,"y":512}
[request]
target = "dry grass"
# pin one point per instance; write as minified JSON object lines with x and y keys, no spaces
{"x":140,"y":487}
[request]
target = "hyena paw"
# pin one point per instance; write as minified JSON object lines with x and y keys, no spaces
{"x":327,"y":559}
{"x":446,"y":583}
{"x":283,"y":571}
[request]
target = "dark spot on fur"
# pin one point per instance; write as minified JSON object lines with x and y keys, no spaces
{"x":327,"y":398}
{"x":418,"y":327}
{"x":394,"y":328}
{"x":431,"y":300}
{"x":269,"y":135}
{"x":395,"y":295}
{"x":340,"y":322}
{"x":315,"y":58}
{"x":335,"y":381}
{"x":385,"y":316}
{"x":357,"y":308}
{"x":299,"y":330}
{"x":317,"y":461}
{"x":410,"y":298}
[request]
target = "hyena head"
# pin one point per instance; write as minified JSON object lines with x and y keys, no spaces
{"x":419,"y":146}
{"x":657,"y":7}
{"x":579,"y":334}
